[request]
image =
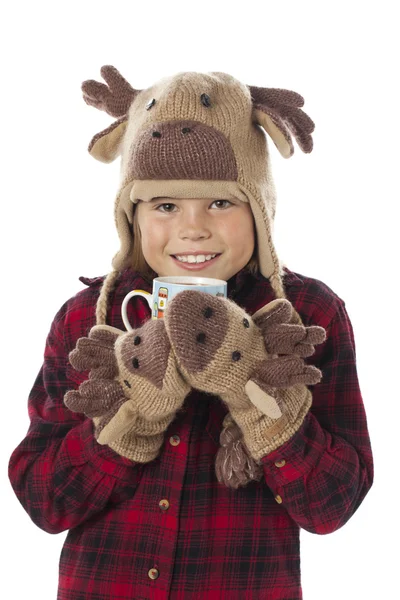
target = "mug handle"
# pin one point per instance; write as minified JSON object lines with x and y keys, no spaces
{"x":146,"y":295}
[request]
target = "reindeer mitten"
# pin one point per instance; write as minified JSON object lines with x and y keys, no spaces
{"x":221,"y":350}
{"x":134,"y":388}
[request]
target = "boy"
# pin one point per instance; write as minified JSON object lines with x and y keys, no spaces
{"x":201,"y":498}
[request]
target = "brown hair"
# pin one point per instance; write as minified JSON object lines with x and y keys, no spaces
{"x":139,"y":264}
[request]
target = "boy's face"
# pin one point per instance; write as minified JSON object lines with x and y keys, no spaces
{"x":171,"y":226}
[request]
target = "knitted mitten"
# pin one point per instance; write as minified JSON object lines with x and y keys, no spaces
{"x":134,"y":389}
{"x":221,"y":350}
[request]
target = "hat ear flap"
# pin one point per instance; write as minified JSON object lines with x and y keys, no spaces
{"x":124,"y":221}
{"x":106,"y":146}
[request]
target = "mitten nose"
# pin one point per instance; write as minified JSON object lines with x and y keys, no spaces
{"x":196,"y":323}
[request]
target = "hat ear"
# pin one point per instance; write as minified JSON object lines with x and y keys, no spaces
{"x":106,"y":146}
{"x":278,"y":112}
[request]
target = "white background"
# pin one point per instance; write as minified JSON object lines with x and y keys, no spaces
{"x":337,"y":214}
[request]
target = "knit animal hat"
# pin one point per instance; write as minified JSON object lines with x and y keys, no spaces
{"x":196,"y":135}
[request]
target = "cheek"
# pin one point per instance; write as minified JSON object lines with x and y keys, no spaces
{"x":154,"y":235}
{"x":240,"y":229}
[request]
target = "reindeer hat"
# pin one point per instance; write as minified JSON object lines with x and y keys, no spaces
{"x":197,"y":135}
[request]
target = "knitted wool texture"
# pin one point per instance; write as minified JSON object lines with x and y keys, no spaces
{"x":131,"y":397}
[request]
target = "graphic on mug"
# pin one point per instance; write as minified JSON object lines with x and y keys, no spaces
{"x":162,"y":301}
{"x":220,"y":295}
{"x":155,"y":310}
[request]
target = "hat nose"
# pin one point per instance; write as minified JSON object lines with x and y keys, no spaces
{"x":159,"y":134}
{"x":182,"y":150}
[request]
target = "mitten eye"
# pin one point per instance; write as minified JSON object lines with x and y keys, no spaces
{"x":236,"y":355}
{"x":246,"y":323}
{"x":201,"y":338}
{"x":127,"y":383}
{"x":208,"y":312}
{"x":135,"y":363}
{"x":150,"y":103}
{"x":137,"y":340}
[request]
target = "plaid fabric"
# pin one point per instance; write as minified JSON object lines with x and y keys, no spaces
{"x":168,"y":529}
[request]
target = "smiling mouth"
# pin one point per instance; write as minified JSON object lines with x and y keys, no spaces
{"x":194,"y":262}
{"x":195,"y":265}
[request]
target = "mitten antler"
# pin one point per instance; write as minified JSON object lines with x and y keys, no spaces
{"x":101,"y":395}
{"x":114,"y":98}
{"x":282,"y":335}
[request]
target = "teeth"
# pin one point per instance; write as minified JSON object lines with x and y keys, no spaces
{"x":195,"y":259}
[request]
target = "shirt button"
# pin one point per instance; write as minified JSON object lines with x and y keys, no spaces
{"x":153,"y":573}
{"x":280,"y":463}
{"x":164,"y":504}
{"x":278,"y":499}
{"x":174,"y":440}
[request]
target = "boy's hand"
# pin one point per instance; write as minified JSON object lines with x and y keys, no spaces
{"x":221,"y":350}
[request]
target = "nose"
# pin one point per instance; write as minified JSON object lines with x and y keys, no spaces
{"x":194,"y":224}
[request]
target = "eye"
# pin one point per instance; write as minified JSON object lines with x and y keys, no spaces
{"x":246,"y":323}
{"x":150,"y":103}
{"x":205,"y":100}
{"x":226,"y":201}
{"x":165,"y":204}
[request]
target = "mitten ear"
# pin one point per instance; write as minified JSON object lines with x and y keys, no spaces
{"x":277,"y":311}
{"x":263,"y":401}
{"x":105,"y":334}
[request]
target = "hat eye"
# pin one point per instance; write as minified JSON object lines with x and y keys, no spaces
{"x":150,"y":103}
{"x":205,"y":100}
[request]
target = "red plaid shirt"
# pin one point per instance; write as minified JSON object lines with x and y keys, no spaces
{"x":168,"y":529}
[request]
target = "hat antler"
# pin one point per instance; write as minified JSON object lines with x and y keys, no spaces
{"x":114,"y":98}
{"x":278,"y":112}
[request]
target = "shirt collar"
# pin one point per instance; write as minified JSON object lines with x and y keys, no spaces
{"x":238,"y":285}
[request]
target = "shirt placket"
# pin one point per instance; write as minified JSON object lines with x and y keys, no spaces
{"x":168,"y":500}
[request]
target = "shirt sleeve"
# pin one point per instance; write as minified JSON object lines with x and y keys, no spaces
{"x":322,"y":474}
{"x":59,"y":472}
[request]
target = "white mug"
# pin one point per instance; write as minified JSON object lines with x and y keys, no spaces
{"x":165,"y":288}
